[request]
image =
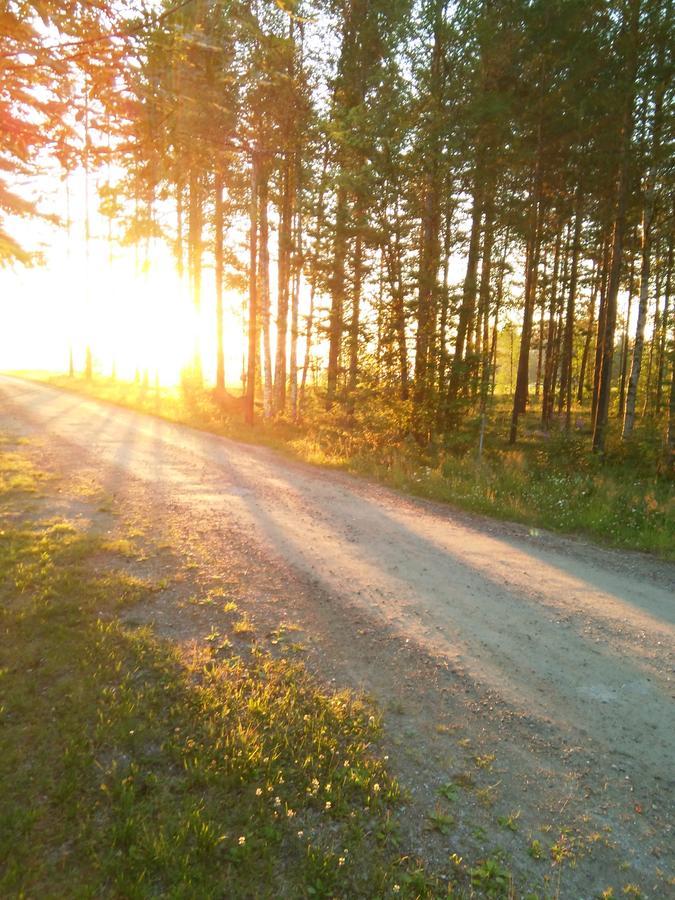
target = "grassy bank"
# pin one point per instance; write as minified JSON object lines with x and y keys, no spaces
{"x":548,"y":480}
{"x":132,"y":769}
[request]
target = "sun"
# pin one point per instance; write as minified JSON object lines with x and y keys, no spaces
{"x":137,"y":320}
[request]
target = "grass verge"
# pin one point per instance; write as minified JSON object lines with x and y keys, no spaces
{"x":132,"y":769}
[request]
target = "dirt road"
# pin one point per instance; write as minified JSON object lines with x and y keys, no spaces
{"x":536,"y":671}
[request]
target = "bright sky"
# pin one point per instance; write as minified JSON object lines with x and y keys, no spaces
{"x":134,"y":315}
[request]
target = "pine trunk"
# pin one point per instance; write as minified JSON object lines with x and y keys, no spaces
{"x":665,"y":322}
{"x":568,"y":339}
{"x":595,"y":286}
{"x":625,"y":342}
{"x":335,"y":324}
{"x":249,"y":399}
{"x":218,"y":261}
{"x":469,"y":291}
{"x":283,"y":288}
{"x":195,"y":225}
{"x":321,"y":210}
{"x":355,"y":322}
{"x":547,"y":391}
{"x":607,"y":335}
{"x":295,"y":306}
{"x":643,"y":306}
{"x":265,"y":299}
{"x":531,"y":272}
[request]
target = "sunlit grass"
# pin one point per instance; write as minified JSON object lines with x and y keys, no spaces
{"x":132,"y":769}
{"x":17,"y":474}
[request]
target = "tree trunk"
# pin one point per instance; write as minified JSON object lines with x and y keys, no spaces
{"x":180,"y":262}
{"x":249,"y":400}
{"x":427,"y":288}
{"x":568,"y":339}
{"x":218,"y":260}
{"x":557,"y":344}
{"x":665,"y":322}
{"x":264,"y":282}
{"x":295,"y":305}
{"x":655,"y":331}
{"x":595,"y":285}
{"x":601,"y":324}
{"x":531,"y":273}
{"x":312,"y":293}
{"x":643,"y":306}
{"x":195,"y":266}
{"x":429,"y":255}
{"x":336,"y":325}
{"x":542,"y":318}
{"x":624,"y":343}
{"x":284,"y":272}
{"x":88,"y":357}
{"x":670,"y":439}
{"x":607,"y":336}
{"x":469,"y":290}
{"x":547,"y":391}
{"x":484,"y":300}
{"x":445,"y":303}
{"x":392,"y":258}
{"x":498,"y":306}
{"x":355,"y":322}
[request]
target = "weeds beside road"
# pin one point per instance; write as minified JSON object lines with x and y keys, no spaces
{"x":131,"y":767}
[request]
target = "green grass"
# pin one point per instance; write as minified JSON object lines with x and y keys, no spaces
{"x":550,"y":481}
{"x":130,"y":769}
{"x":546,"y":487}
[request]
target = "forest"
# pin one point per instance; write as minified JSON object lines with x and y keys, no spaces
{"x":298,"y":300}
{"x":449,"y":224}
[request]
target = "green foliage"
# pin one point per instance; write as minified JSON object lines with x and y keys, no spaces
{"x":441,"y":822}
{"x":535,"y":849}
{"x":450,"y":791}
{"x":491,"y":878}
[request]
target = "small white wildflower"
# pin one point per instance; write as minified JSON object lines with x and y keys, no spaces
{"x":346,"y":764}
{"x":396,"y":888}
{"x":341,"y":861}
{"x":300,"y":833}
{"x":277,"y":801}
{"x":258,"y":792}
{"x":328,"y":804}
{"x":242,"y":841}
{"x":376,"y":788}
{"x":329,"y":786}
{"x":290,"y":813}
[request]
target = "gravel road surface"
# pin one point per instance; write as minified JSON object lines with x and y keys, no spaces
{"x":552,"y":655}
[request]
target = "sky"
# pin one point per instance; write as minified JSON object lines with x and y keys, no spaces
{"x":134,"y":312}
